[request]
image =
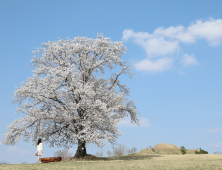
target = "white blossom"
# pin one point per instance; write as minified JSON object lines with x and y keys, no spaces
{"x":65,"y":100}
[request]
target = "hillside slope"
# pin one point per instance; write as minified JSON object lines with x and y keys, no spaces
{"x":164,"y":148}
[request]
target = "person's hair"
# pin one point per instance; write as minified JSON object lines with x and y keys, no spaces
{"x":39,"y":141}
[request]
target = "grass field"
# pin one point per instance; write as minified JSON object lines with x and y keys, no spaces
{"x":132,"y":162}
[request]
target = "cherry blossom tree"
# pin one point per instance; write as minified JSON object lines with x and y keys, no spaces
{"x":66,"y":103}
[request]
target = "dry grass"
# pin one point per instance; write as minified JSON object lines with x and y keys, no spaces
{"x":165,"y":149}
{"x":138,"y":162}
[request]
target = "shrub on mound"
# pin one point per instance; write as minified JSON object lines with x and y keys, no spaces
{"x":183,"y":150}
{"x":201,"y":152}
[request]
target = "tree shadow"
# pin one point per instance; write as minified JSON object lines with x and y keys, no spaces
{"x":113,"y":158}
{"x":132,"y":157}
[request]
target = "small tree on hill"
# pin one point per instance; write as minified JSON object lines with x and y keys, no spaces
{"x":121,"y":150}
{"x":109,"y":153}
{"x":66,"y":103}
{"x":99,"y":154}
{"x":65,"y":154}
{"x":218,"y":153}
{"x":3,"y":163}
{"x":183,"y":150}
{"x":129,"y":151}
{"x":134,"y":150}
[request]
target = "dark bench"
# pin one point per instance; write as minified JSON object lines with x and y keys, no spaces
{"x":51,"y":159}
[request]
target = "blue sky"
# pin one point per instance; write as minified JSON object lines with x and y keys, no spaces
{"x":175,"y":47}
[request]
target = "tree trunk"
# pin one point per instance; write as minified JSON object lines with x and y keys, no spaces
{"x":81,"y":151}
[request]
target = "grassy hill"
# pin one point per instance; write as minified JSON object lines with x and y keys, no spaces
{"x":165,"y":149}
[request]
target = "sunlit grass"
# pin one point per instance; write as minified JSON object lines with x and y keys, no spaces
{"x":191,"y":162}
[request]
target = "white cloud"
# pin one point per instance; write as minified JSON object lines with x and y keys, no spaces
{"x":164,"y":42}
{"x":159,"y":46}
{"x":210,"y":30}
{"x":189,"y":60}
{"x":14,"y":150}
{"x":0,"y":143}
{"x":217,"y":145}
{"x":142,"y":121}
{"x":153,"y":45}
{"x":178,"y":33}
{"x":127,"y":34}
{"x":180,"y":72}
{"x":158,"y":65}
{"x":215,"y":130}
{"x":217,"y":114}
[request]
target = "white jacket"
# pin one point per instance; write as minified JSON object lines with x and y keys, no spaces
{"x":40,"y":147}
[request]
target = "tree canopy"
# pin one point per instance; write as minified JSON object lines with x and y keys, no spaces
{"x":65,"y":101}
